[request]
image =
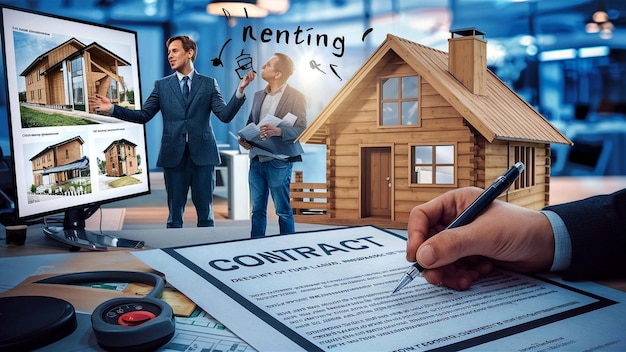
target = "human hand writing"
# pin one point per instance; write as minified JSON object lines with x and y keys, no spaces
{"x":506,"y":235}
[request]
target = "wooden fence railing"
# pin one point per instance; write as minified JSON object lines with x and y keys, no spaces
{"x":308,"y":198}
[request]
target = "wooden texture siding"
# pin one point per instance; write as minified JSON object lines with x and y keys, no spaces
{"x":68,"y":152}
{"x":121,"y":159}
{"x":51,"y":84}
{"x":99,"y":66}
{"x":356,"y":127}
{"x":56,"y":89}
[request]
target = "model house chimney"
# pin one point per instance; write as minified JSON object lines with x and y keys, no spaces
{"x":467,"y":58}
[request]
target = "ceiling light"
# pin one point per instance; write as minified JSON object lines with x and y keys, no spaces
{"x":562,"y":54}
{"x":594,"y":51}
{"x":236,"y":8}
{"x":600,"y":16}
{"x":606,"y":34}
{"x":278,"y":7}
{"x":592,"y":27}
{"x":600,"y":23}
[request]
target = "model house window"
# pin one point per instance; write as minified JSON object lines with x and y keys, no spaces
{"x":432,"y":164}
{"x":527,"y":156}
{"x":399,"y":101}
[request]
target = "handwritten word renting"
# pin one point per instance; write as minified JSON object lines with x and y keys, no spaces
{"x":299,"y":36}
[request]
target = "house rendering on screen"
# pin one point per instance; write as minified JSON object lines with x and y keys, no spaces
{"x":415,"y":122}
{"x":64,"y":76}
{"x":59,"y":163}
{"x":121,"y":158}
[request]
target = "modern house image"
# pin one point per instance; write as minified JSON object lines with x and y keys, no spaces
{"x":64,"y":76}
{"x":415,"y":122}
{"x":121,"y":158}
{"x":59,"y":163}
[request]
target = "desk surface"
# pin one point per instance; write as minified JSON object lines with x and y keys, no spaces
{"x":562,"y":189}
{"x":567,"y":189}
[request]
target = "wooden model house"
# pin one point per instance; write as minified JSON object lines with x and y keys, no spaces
{"x":121,"y":158}
{"x":65,"y":75}
{"x":415,"y":122}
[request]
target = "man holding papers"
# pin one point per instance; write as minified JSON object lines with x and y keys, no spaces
{"x":277,"y":118}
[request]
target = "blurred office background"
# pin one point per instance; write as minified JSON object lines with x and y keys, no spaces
{"x":566,"y":58}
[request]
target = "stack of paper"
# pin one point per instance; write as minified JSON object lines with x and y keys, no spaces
{"x":274,"y":146}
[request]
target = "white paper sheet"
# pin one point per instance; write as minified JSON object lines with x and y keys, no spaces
{"x":331,"y":290}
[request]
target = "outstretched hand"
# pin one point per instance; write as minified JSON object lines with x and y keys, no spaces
{"x":506,"y":235}
{"x":100,"y":103}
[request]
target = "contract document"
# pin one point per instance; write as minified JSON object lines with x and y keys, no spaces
{"x":331,"y":290}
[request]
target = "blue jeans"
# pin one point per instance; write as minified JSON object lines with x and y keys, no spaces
{"x":265,"y":178}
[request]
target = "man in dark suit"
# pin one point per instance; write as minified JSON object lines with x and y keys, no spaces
{"x":271,"y":173}
{"x":188,"y":153}
{"x":584,"y":239}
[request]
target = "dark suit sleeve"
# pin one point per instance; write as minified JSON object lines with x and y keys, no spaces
{"x":147,"y":112}
{"x":597,"y":228}
{"x":224,"y":112}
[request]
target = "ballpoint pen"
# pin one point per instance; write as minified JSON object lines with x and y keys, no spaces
{"x":468,"y":215}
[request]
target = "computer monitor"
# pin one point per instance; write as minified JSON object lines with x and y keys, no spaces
{"x":67,"y":158}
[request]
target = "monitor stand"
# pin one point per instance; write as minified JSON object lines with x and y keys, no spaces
{"x":73,"y":233}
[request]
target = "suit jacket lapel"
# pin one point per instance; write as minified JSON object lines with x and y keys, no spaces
{"x":280,"y":113}
{"x":196,"y":85}
{"x":175,"y":85}
{"x":256,"y":108}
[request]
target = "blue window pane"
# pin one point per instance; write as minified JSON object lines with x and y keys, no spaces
{"x":409,"y":113}
{"x":445,"y":175}
{"x":424,"y":174}
{"x":390,"y":88}
{"x":423,"y":154}
{"x":390,"y":114}
{"x":445,"y":154}
{"x":409,"y":87}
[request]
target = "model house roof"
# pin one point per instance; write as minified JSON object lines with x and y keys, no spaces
{"x":498,"y":114}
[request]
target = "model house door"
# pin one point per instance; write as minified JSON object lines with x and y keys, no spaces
{"x":376,"y":182}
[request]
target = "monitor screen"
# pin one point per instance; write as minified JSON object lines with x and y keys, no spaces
{"x":67,"y":157}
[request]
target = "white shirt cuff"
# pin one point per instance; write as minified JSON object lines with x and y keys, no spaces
{"x":562,"y":242}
